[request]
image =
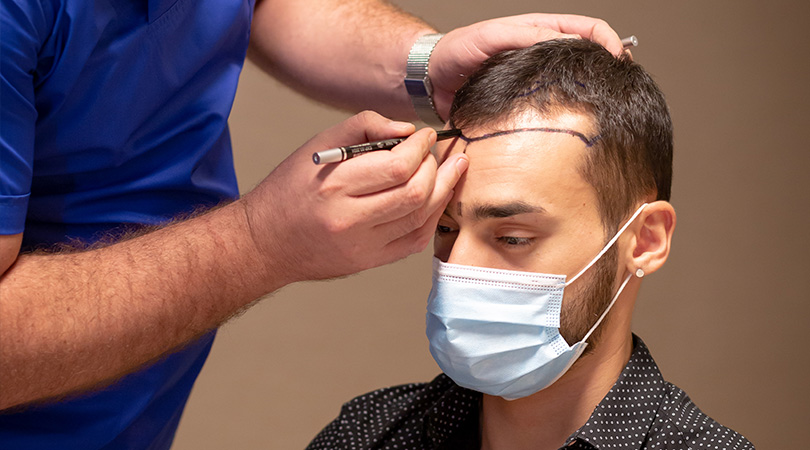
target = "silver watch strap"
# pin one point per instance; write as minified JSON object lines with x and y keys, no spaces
{"x":417,"y":81}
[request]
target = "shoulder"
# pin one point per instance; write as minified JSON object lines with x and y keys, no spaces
{"x":394,"y":413}
{"x":25,"y":26}
{"x":681,"y":424}
{"x":392,"y":402}
{"x":28,"y":18}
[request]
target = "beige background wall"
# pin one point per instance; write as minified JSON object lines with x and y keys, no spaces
{"x":726,"y":319}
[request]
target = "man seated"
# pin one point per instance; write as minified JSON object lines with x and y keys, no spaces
{"x":539,"y":258}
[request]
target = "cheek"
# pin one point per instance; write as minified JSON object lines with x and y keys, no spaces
{"x":572,"y":251}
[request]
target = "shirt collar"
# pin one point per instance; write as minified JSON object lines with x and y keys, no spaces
{"x":620,"y":421}
{"x":623,"y":418}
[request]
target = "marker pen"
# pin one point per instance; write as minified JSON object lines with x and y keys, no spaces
{"x":339,"y":154}
{"x":630,"y":41}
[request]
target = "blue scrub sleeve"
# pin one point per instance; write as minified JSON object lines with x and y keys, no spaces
{"x":21,"y":24}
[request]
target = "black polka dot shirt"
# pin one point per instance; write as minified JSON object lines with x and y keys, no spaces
{"x":641,"y":411}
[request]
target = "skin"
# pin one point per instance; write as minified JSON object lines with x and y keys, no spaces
{"x":74,"y":321}
{"x":319,"y":66}
{"x":559,"y":233}
{"x":79,"y":320}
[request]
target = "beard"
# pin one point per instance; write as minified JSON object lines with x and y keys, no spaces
{"x":581,"y":310}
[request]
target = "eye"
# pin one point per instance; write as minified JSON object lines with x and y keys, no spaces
{"x":444,"y":229}
{"x":445,"y":239}
{"x":513,"y":241}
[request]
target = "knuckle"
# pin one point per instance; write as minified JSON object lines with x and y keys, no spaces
{"x":415,"y":195}
{"x":596,"y":25}
{"x":417,"y":218}
{"x":410,"y":224}
{"x":367,"y":117}
{"x":398,"y":170}
{"x":337,"y":225}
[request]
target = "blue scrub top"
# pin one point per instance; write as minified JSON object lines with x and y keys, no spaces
{"x":114,"y":112}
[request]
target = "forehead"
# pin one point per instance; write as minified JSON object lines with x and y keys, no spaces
{"x":540,"y":167}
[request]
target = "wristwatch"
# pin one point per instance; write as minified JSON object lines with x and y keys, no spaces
{"x":417,"y":82}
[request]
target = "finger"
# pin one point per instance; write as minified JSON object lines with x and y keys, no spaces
{"x":446,"y":179}
{"x":527,"y":29}
{"x":382,"y":170}
{"x":596,"y":30}
{"x":417,"y":240}
{"x":590,"y":28}
{"x":364,"y":127}
{"x":459,"y":54}
{"x":392,"y":204}
{"x":534,"y":35}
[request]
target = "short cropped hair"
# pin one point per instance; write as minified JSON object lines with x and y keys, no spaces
{"x":631,"y":158}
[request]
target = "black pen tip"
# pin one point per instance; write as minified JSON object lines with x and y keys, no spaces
{"x":449,"y":133}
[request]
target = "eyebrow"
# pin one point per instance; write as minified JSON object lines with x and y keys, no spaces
{"x":491,"y":211}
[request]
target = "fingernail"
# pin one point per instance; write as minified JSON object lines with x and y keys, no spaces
{"x":461,"y":165}
{"x":402,"y":126}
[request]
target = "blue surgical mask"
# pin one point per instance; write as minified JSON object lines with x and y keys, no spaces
{"x":498,"y":331}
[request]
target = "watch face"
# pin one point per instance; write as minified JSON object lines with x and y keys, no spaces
{"x":418,"y":87}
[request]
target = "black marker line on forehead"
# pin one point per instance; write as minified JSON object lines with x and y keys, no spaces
{"x":588,"y":142}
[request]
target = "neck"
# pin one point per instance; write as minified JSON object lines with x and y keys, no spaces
{"x":544,"y":420}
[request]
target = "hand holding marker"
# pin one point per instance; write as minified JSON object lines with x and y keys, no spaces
{"x":350,"y":151}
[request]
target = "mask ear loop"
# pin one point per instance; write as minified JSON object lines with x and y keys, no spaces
{"x":609,"y":244}
{"x":615,"y":297}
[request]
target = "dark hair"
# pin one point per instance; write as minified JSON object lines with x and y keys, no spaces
{"x":632,"y":156}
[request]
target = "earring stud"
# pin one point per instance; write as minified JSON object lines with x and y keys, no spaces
{"x":639,"y":273}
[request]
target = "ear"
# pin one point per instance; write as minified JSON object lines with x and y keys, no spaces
{"x":648,"y":247}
